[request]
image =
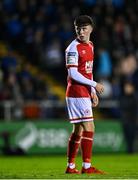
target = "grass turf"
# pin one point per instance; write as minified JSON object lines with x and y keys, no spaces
{"x":53,"y":167}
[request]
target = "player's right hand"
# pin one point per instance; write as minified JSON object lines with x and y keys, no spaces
{"x":99,"y":88}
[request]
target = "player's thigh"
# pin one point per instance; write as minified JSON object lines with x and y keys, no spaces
{"x":77,"y":128}
{"x":88,"y":126}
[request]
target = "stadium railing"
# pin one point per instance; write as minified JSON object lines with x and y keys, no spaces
{"x":11,"y":110}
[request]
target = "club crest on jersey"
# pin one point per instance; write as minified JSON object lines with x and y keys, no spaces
{"x":88,"y":66}
{"x":71,"y":59}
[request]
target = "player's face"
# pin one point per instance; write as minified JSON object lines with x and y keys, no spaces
{"x":83,"y":33}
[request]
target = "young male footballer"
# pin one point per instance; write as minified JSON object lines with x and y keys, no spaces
{"x":81,"y":96}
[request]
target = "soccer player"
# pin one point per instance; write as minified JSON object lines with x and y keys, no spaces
{"x":81,"y":95}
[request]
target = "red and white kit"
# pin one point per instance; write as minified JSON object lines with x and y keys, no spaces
{"x":79,"y":60}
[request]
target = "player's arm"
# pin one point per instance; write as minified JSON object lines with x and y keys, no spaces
{"x":75,"y":75}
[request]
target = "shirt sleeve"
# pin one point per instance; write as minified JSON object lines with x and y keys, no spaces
{"x":71,"y":56}
{"x":75,"y":75}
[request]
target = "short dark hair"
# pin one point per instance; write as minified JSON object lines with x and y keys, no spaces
{"x":83,"y":20}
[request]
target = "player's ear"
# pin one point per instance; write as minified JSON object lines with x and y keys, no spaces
{"x":91,"y":29}
{"x":75,"y":27}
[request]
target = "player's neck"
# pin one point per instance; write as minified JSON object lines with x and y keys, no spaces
{"x":85,"y":42}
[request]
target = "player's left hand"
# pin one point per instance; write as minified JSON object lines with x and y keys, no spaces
{"x":95,"y":100}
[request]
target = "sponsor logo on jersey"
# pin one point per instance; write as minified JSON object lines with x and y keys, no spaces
{"x":88,"y":66}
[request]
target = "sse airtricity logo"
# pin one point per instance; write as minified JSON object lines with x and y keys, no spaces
{"x":30,"y":136}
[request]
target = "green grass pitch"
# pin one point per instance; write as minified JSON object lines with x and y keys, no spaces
{"x":117,"y":166}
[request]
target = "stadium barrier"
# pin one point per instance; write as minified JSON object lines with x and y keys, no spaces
{"x":51,"y":137}
{"x":45,"y":109}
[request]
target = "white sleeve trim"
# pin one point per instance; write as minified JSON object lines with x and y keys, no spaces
{"x":74,"y":74}
{"x":93,"y":90}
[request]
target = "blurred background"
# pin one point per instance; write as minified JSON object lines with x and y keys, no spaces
{"x":33,"y":37}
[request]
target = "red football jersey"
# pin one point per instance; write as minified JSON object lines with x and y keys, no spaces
{"x":80,"y":55}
